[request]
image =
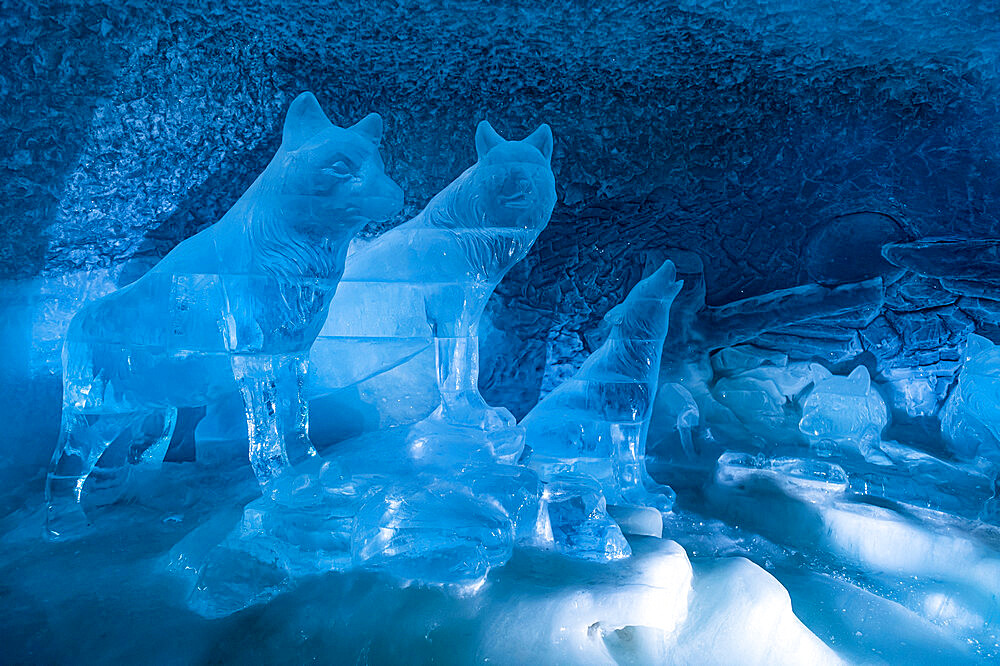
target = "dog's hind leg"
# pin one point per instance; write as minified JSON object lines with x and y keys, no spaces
{"x":273,"y":389}
{"x":144,"y":441}
{"x":153,"y":440}
{"x":83,"y":438}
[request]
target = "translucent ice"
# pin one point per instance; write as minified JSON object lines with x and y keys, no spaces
{"x":432,"y":517}
{"x":579,"y":521}
{"x":596,"y":421}
{"x":233,"y":308}
{"x":970,"y":418}
{"x":402,"y":333}
{"x":806,"y":321}
{"x":766,"y":398}
{"x":440,"y":533}
{"x":920,"y":479}
{"x":845,"y":412}
{"x":678,"y":407}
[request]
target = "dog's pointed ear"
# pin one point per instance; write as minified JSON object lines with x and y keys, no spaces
{"x":861,"y":378}
{"x":541,"y":139}
{"x":370,"y":127}
{"x":976,"y":345}
{"x":486,"y":138}
{"x":304,"y":120}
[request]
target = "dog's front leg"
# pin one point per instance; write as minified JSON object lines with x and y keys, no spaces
{"x":272,"y":387}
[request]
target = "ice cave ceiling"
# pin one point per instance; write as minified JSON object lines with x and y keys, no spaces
{"x":726,"y":127}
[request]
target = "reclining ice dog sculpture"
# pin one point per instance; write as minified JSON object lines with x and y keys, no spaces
{"x":234,"y":308}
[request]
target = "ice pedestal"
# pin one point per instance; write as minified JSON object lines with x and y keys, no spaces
{"x":412,"y":520}
{"x":440,"y":534}
{"x":402,"y":505}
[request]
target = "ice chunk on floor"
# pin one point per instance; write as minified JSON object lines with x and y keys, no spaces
{"x":803,"y":477}
{"x":578,"y":519}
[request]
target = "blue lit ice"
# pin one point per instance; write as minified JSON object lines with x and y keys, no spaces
{"x":234,"y":308}
{"x":687,"y":355}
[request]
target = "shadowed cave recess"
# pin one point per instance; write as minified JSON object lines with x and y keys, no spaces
{"x":713,"y":377}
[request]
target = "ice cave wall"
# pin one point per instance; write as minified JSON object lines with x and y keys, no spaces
{"x":752,"y":133}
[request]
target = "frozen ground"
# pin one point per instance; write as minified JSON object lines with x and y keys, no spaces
{"x":108,"y":598}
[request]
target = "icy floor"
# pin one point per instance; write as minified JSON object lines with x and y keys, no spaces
{"x":108,"y":599}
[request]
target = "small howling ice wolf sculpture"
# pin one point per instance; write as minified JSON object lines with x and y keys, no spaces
{"x":233,"y":308}
{"x":596,"y":421}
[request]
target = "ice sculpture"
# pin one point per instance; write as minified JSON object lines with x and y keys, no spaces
{"x":970,"y":418}
{"x":846,"y":412}
{"x":422,"y":287}
{"x":401,"y":337}
{"x":233,"y":308}
{"x":434,"y":501}
{"x":772,"y":321}
{"x":762,"y":389}
{"x":596,"y":421}
{"x":781,"y":402}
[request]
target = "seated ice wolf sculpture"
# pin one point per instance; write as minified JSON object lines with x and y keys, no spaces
{"x":235,"y":307}
{"x":402,"y":330}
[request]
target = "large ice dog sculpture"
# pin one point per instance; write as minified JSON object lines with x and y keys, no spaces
{"x":233,"y":308}
{"x":402,"y":329}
